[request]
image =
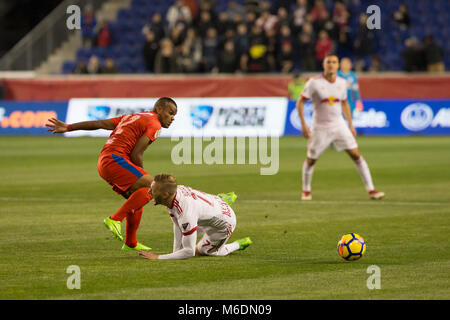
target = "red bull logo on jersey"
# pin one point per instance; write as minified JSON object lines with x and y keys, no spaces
{"x":331,"y":100}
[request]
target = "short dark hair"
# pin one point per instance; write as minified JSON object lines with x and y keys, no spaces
{"x":164,"y":102}
{"x":331,"y":54}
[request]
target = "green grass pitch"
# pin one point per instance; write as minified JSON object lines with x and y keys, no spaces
{"x":52,"y":205}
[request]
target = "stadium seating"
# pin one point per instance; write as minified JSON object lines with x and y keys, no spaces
{"x":427,"y":17}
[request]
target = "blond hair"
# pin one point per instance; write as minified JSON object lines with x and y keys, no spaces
{"x":168,"y":181}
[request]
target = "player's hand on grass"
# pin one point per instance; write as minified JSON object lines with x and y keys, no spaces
{"x":306,"y":132}
{"x":148,"y":255}
{"x":56,"y":126}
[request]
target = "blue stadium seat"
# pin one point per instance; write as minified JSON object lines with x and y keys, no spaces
{"x":68,"y":66}
{"x":83,"y":54}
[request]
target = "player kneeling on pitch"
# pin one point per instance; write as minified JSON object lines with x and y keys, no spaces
{"x":193,"y":212}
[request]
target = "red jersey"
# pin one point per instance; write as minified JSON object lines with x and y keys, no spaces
{"x":129,"y":128}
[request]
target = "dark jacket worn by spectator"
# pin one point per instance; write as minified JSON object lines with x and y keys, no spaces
{"x":228,"y":60}
{"x":149,"y":51}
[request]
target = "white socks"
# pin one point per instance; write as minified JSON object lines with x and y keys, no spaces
{"x":227,"y":249}
{"x":361,"y":166}
{"x":364,"y":173}
{"x":307,"y":173}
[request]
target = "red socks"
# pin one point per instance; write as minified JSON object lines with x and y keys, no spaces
{"x":136,"y":201}
{"x":132,"y":210}
{"x":133,"y":220}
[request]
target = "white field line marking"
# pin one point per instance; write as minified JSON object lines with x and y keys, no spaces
{"x":345,"y":202}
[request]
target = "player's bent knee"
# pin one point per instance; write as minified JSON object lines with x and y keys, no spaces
{"x":143,"y":182}
{"x":311,"y":161}
{"x":354,"y":154}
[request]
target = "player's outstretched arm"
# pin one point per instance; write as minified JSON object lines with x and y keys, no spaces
{"x":188,"y":250}
{"x":56,"y":126}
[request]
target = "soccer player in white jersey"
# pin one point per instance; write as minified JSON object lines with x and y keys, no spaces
{"x":194,"y":212}
{"x":328,"y":93}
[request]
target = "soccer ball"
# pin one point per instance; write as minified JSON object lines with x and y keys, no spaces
{"x":351,"y":246}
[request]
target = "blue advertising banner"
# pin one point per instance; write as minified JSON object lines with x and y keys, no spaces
{"x":387,"y":117}
{"x":29,"y":118}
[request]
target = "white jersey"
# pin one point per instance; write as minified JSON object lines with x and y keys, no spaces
{"x":327,"y":100}
{"x":194,"y":211}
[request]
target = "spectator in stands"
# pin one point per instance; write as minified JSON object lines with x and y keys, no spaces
{"x":192,"y":5}
{"x":285,"y":36}
{"x":103,"y":37}
{"x":204,"y":6}
{"x":255,"y":60}
{"x":178,"y":13}
{"x":307,"y":48}
{"x":205,"y":22}
{"x":340,"y":15}
{"x":80,"y":68}
{"x":223,"y":24}
{"x":376,"y":65}
{"x":319,"y":15}
{"x":250,"y":19}
{"x":177,"y":35}
{"x":332,"y":29}
{"x":364,"y":45}
{"x":156,"y":26}
{"x":324,"y":46}
{"x":228,"y":35}
{"x":228,"y":60}
{"x":186,"y":60}
{"x":88,"y":23}
{"x":237,"y":20}
{"x":165,"y":60}
{"x":344,"y":45}
{"x":286,"y":58}
{"x":272,"y":49}
{"x":195,"y":46}
{"x":434,"y":55}
{"x":267,"y":20}
{"x":93,"y":65}
{"x":241,"y":42}
{"x":309,"y":30}
{"x":413,"y":56}
{"x":109,"y":67}
{"x":207,"y":5}
{"x":257,"y":36}
{"x":149,"y":51}
{"x":283,"y":17}
{"x":298,"y":15}
{"x":402,"y":17}
{"x":210,"y":50}
{"x":252,"y":6}
{"x":234,"y":9}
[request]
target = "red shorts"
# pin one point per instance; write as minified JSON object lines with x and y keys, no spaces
{"x":119,"y":171}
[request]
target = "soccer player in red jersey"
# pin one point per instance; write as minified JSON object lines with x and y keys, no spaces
{"x":121,"y":161}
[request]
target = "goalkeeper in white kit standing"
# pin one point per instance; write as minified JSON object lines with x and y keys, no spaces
{"x":328,"y":93}
{"x":194,"y":212}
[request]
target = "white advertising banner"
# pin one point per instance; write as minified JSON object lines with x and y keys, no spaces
{"x":196,"y":117}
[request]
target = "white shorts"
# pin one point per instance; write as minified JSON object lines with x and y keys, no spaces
{"x":214,"y":239}
{"x":340,"y":136}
